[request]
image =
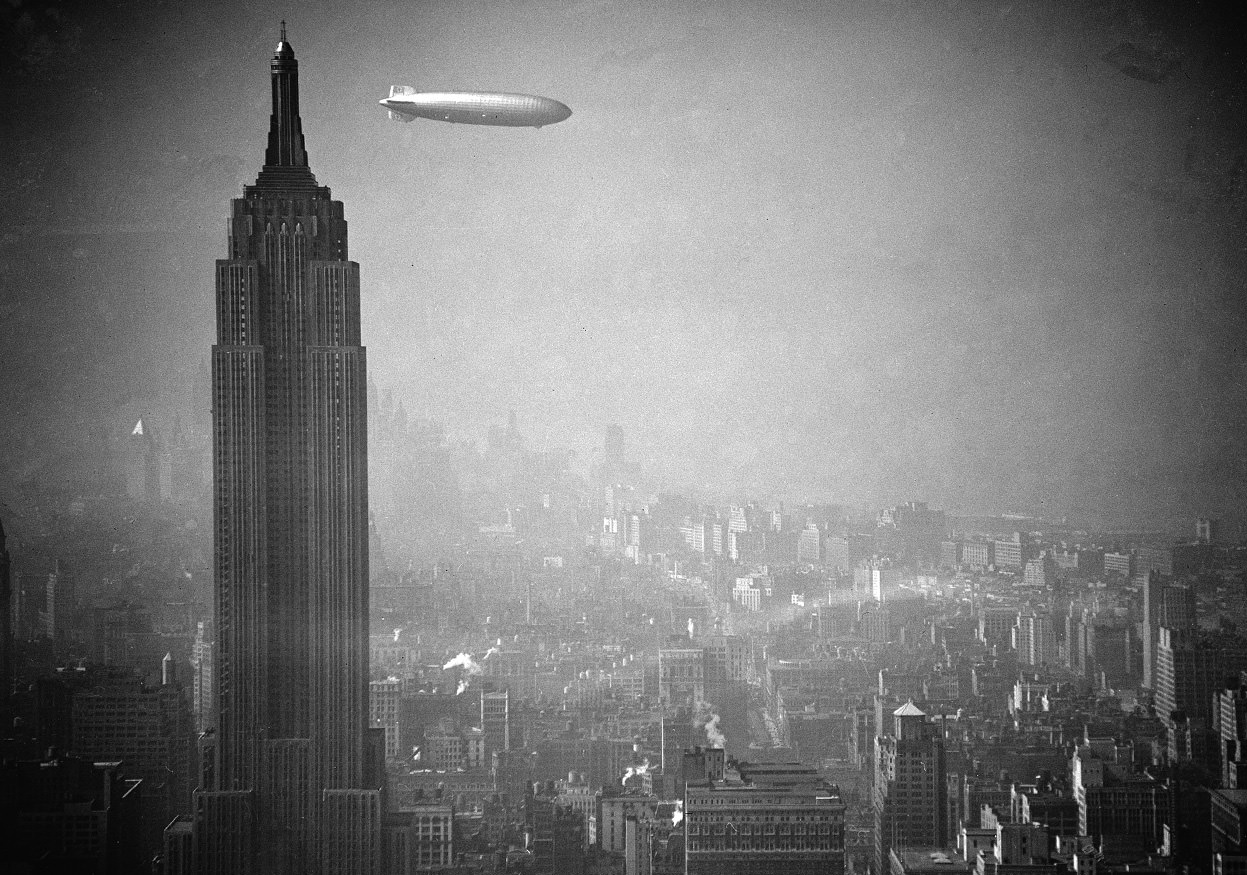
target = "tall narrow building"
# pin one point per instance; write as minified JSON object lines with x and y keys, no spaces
{"x":286,"y":778}
{"x":910,"y":789}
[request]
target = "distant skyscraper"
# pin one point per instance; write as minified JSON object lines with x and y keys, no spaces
{"x":294,"y":789}
{"x":142,"y":464}
{"x":384,"y":697}
{"x":1163,"y":605}
{"x":1034,"y":639}
{"x":202,"y":662}
{"x":977,"y":554}
{"x":30,"y":596}
{"x":61,"y":602}
{"x":1040,"y":572}
{"x":1178,"y":607}
{"x":1154,"y":558}
{"x":1191,"y":668}
{"x":496,"y":720}
{"x":632,"y":530}
{"x":1077,"y":632}
{"x":910,"y":791}
{"x":1207,"y":531}
{"x":877,"y":579}
{"x":1118,"y":563}
{"x":809,"y":544}
{"x":1230,"y":724}
{"x":1007,"y":553}
{"x":1151,"y":586}
{"x":950,"y":554}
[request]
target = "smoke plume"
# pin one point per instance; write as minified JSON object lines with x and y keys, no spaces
{"x":465,"y":660}
{"x":635,"y":770}
{"x":714,"y":738}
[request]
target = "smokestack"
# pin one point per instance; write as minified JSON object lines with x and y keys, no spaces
{"x":167,"y":675}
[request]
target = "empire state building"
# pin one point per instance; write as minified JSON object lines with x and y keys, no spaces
{"x":291,"y":779}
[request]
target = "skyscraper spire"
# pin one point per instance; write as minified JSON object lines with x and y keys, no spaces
{"x":285,"y":159}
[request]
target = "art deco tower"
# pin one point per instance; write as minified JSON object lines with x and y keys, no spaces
{"x":288,"y":763}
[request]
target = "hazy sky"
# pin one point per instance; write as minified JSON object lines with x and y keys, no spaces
{"x":857,"y":251}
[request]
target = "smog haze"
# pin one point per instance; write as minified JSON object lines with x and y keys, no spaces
{"x":984,"y":254}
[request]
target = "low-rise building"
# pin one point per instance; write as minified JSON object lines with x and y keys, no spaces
{"x":783,"y":821}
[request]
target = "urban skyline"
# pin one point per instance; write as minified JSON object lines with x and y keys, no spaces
{"x":865,"y":276}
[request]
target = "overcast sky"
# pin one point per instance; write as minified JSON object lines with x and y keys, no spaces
{"x":985,"y":254}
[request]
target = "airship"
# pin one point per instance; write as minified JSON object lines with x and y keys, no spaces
{"x":474,"y":107}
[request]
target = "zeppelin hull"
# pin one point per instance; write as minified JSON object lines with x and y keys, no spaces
{"x":479,"y":108}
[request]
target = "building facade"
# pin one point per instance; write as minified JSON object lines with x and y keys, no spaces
{"x":728,"y":659}
{"x":809,"y":544}
{"x":147,"y":728}
{"x":1007,"y":553}
{"x":614,"y":808}
{"x":977,"y":554}
{"x":292,"y":774}
{"x":419,"y":837}
{"x":1117,"y":802}
{"x":763,"y":826}
{"x":1034,"y":639}
{"x":910,"y":788}
{"x":1191,"y":668}
{"x":202,"y":703}
{"x":681,"y":675}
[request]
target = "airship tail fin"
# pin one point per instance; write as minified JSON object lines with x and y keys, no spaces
{"x":401,"y":117}
{"x":401,"y":90}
